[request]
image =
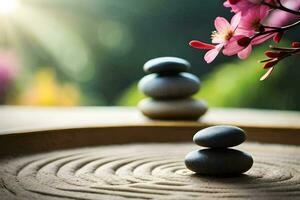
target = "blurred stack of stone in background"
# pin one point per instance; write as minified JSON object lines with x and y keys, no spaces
{"x":170,"y":88}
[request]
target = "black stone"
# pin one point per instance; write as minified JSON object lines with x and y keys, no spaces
{"x":166,"y":65}
{"x":220,"y":136}
{"x":179,"y":109}
{"x":220,"y":161}
{"x":169,"y":87}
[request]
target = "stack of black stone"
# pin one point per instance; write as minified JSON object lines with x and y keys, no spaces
{"x":170,"y":88}
{"x":218,"y":159}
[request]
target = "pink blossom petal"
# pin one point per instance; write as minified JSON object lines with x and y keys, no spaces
{"x":201,"y":45}
{"x":235,"y":20}
{"x":212,"y":54}
{"x":263,"y":38}
{"x":280,"y":18}
{"x":232,"y":47}
{"x":243,"y":31}
{"x":244,"y":54}
{"x":221,"y":24}
{"x":263,"y":12}
{"x":226,"y":4}
{"x":253,"y":17}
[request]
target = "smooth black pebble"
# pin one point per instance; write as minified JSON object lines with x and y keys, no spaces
{"x":166,"y":65}
{"x":180,"y":109}
{"x":220,"y":137}
{"x":169,"y":87}
{"x":216,"y":162}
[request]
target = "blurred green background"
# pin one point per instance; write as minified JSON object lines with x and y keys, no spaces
{"x":91,"y":52}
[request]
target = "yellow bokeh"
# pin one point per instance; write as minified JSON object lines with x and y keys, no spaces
{"x":45,"y":90}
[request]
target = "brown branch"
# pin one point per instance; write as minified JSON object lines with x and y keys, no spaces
{"x":275,"y":30}
{"x":280,"y":6}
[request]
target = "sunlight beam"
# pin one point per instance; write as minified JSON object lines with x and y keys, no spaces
{"x":9,"y":7}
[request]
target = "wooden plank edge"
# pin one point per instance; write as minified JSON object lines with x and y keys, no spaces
{"x":41,"y":141}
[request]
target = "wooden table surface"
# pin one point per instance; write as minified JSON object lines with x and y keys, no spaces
{"x":31,"y":119}
{"x":25,"y":124}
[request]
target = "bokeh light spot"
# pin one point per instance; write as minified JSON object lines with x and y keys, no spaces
{"x":9,"y":7}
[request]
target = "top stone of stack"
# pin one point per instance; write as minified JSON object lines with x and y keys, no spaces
{"x":166,"y":66}
{"x":220,"y":137}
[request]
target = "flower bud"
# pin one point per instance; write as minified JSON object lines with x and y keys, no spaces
{"x":270,"y":64}
{"x":244,"y":42}
{"x":278,"y":37}
{"x":296,"y":44}
{"x":233,"y":2}
{"x":275,"y":54}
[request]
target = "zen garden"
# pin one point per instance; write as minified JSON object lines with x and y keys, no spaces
{"x":169,"y":100}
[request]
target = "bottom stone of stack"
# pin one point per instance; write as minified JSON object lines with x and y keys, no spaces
{"x":218,"y":161}
{"x":177,"y":109}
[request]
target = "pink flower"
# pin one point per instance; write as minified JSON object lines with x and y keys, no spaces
{"x":242,"y":45}
{"x":244,"y":6}
{"x":224,"y":32}
{"x":250,"y":24}
{"x":280,"y":18}
{"x":8,"y":70}
{"x":255,"y":22}
{"x":252,"y":21}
